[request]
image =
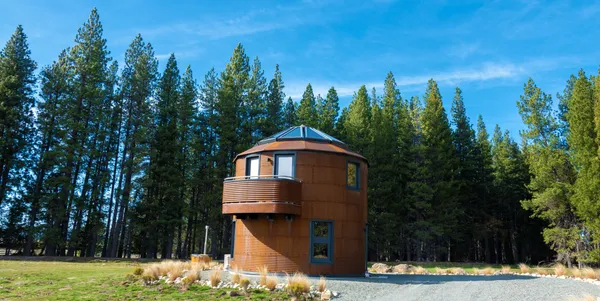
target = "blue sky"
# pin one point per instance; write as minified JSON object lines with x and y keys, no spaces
{"x":489,"y":49}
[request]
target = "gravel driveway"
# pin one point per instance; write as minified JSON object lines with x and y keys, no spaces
{"x":453,"y":288}
{"x":458,"y":288}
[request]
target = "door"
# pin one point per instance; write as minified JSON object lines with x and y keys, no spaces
{"x":252,"y":166}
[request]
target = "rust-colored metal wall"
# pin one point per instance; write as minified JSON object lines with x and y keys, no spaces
{"x":284,"y":245}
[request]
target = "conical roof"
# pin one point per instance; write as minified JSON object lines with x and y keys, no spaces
{"x":302,"y":132}
{"x":301,"y":138}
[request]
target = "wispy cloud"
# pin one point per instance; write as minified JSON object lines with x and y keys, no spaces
{"x":464,"y":50}
{"x":483,"y":72}
{"x":254,"y":21}
{"x":180,"y":54}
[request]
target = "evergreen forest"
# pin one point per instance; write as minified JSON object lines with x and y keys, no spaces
{"x":121,"y":159}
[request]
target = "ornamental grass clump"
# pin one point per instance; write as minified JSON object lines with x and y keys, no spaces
{"x":420,"y":271}
{"x":505,"y":269}
{"x":271,"y":283}
{"x":322,"y":285}
{"x":298,"y":284}
{"x":380,"y":268}
{"x":138,"y":271}
{"x":456,"y":271}
{"x":524,"y":268}
{"x":215,"y":278}
{"x":560,"y":270}
{"x":263,"y":271}
{"x":575,"y":272}
{"x":488,"y":271}
{"x":588,"y":273}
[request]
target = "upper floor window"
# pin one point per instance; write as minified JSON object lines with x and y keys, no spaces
{"x":285,"y":165}
{"x":353,"y":175}
{"x":252,"y":166}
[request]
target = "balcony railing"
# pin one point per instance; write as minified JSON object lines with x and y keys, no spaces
{"x":262,"y":194}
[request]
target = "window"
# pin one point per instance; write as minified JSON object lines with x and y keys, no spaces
{"x":252,"y":167}
{"x":353,"y":175}
{"x":232,"y":237}
{"x":321,"y":242}
{"x":285,"y":165}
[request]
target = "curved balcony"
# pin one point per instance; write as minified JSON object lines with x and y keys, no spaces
{"x":262,"y":194}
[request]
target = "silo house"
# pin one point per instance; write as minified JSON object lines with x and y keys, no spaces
{"x":299,"y":203}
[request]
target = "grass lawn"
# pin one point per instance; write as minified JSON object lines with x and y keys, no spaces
{"x":98,"y":280}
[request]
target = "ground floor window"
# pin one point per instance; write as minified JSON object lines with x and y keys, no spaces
{"x":321,"y":241}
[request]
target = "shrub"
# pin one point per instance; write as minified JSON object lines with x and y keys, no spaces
{"x":524,"y":268}
{"x":298,"y":284}
{"x":588,"y":273}
{"x":244,"y":283}
{"x":560,"y":270}
{"x":215,"y":278}
{"x":420,"y":271}
{"x":322,"y":285}
{"x":505,"y":269}
{"x":271,"y":283}
{"x":138,"y":271}
{"x":381,"y":268}
{"x":263,"y":271}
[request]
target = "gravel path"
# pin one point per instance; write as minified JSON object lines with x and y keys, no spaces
{"x":458,"y":288}
{"x":455,"y":288}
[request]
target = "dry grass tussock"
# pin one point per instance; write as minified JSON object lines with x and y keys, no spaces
{"x":420,"y":271}
{"x":588,"y":273}
{"x":402,"y":268}
{"x":322,"y":285}
{"x":457,"y":271}
{"x":560,"y":270}
{"x":192,"y":275}
{"x":439,"y":270}
{"x":215,"y":278}
{"x":271,"y":283}
{"x":298,"y":284}
{"x":576,"y":272}
{"x":235,"y":277}
{"x":263,"y":271}
{"x":488,"y":271}
{"x":524,"y":268}
{"x":505,"y":269}
{"x":380,"y":268}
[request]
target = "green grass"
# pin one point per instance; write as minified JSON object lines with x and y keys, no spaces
{"x":35,"y":280}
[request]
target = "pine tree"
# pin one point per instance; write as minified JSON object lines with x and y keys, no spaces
{"x":439,"y":160}
{"x":254,"y":110}
{"x":273,"y":120}
{"x":465,"y":174}
{"x":328,"y":111}
{"x":17,"y":81}
{"x":552,"y":172}
{"x":307,"y":110}
{"x":356,"y":123}
{"x":138,"y":84}
{"x":290,"y":116}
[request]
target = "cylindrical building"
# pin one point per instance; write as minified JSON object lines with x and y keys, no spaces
{"x":299,"y":203}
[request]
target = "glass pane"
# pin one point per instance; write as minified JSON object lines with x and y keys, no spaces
{"x":295,"y":133}
{"x":352,"y":180}
{"x":320,"y":229}
{"x":252,"y":167}
{"x":312,"y":134}
{"x":320,"y":251}
{"x":284,"y":165}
